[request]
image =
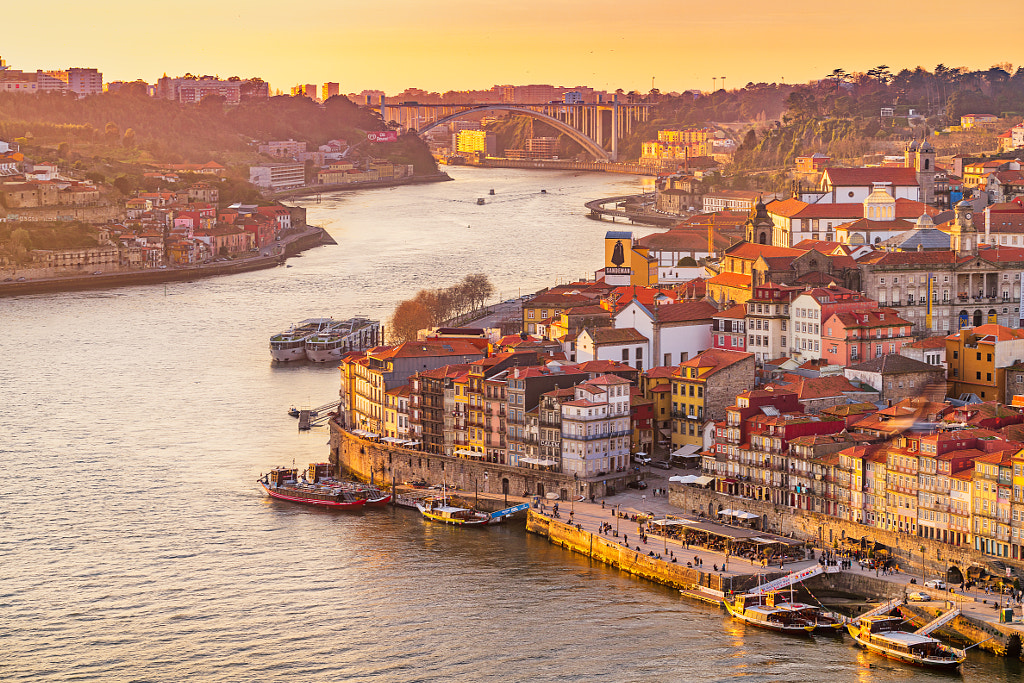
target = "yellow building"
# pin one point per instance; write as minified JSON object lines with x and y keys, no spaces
{"x":977,"y":358}
{"x":702,"y":388}
{"x":1017,"y":507}
{"x":626,"y":263}
{"x":678,"y":145}
{"x":993,"y":478}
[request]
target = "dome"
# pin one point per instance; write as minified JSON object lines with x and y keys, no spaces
{"x":926,"y":146}
{"x":965,"y":205}
{"x":913,"y":146}
{"x":925,"y":221}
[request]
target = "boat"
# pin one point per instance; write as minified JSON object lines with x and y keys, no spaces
{"x":339,"y":338}
{"x":291,"y":344}
{"x":281,"y":483}
{"x":373,"y":496}
{"x":761,"y":611}
{"x":883,"y":635}
{"x":438,"y":510}
{"x":824,"y":621}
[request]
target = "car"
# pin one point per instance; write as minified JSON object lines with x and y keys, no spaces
{"x":97,"y":272}
{"x":20,"y":279}
{"x":8,"y":279}
{"x":642,"y":461}
{"x":663,"y":465}
{"x":935,"y":583}
{"x":636,"y":485}
{"x":918,"y":596}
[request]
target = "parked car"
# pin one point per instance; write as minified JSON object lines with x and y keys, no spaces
{"x":21,"y":279}
{"x":918,"y":596}
{"x":663,"y":465}
{"x":636,"y":485}
{"x":642,"y":461}
{"x":935,"y":583}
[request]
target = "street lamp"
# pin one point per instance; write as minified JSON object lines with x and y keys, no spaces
{"x":617,"y":519}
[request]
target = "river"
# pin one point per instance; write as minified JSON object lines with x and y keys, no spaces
{"x":135,"y":544}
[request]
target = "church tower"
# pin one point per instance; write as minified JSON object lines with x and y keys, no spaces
{"x":921,"y":158}
{"x":963,"y":238}
{"x":759,"y":228}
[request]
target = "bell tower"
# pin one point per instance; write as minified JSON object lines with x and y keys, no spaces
{"x":924,"y":167}
{"x":760,"y":227}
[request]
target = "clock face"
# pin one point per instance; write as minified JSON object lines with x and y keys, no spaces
{"x":968,"y":215}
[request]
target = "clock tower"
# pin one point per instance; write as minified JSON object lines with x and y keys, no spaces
{"x":963,"y":238}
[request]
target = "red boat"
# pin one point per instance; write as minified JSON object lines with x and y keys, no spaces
{"x":321,"y":472}
{"x":281,"y":483}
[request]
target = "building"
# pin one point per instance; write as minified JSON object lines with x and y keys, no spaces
{"x":702,"y":388}
{"x":329,"y":90}
{"x":810,"y":309}
{"x":476,"y":142}
{"x":896,"y":377}
{"x":596,"y":428}
{"x":675,"y":331}
{"x":767,"y":321}
{"x":283,"y":148}
{"x":977,"y":359}
{"x":276,"y":177}
{"x":855,"y":336}
{"x":192,"y":89}
{"x":608,"y":343}
{"x":731,"y":200}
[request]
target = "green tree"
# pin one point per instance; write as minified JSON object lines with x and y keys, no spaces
{"x":128,"y":141}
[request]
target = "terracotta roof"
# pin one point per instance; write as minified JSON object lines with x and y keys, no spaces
{"x":731,"y":280}
{"x":737,"y":311}
{"x":895,"y":364}
{"x":991,"y":332}
{"x":613,"y":335}
{"x":682,"y":239}
{"x":713,"y":360}
{"x":936,"y":342}
{"x":808,"y":388}
{"x":685,"y":311}
{"x":865,"y":177}
{"x":412,"y":349}
{"x":877,"y":317}
{"x":751,"y":251}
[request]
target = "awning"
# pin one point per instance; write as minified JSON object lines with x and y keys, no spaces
{"x":463,"y":451}
{"x":742,"y":514}
{"x":703,"y":480}
{"x":473,"y":454}
{"x":665,"y":432}
{"x":689,"y":451}
{"x":725,"y":513}
{"x":412,"y":443}
{"x":548,"y":463}
{"x":529,"y":461}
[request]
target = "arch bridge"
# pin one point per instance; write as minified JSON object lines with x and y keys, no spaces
{"x":586,"y":123}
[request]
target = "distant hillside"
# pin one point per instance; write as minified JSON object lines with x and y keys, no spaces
{"x":135,"y":128}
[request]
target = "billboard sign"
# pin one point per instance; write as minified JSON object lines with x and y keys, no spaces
{"x":382,"y":136}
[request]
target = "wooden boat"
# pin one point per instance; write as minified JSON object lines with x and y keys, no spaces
{"x":438,"y":510}
{"x":374,"y":496}
{"x":761,"y":611}
{"x":882,"y":635}
{"x":282,"y":484}
{"x":824,"y":621}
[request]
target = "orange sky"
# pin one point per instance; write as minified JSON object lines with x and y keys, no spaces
{"x":461,"y":44}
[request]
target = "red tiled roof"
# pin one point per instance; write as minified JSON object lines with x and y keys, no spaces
{"x":731,"y":280}
{"x":685,"y":311}
{"x":737,"y":311}
{"x":613,"y":335}
{"x":751,"y":251}
{"x":865,"y":177}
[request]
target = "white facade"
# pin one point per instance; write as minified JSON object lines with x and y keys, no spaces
{"x":632,"y":353}
{"x":596,"y":427}
{"x":805,"y":325}
{"x":277,"y":176}
{"x":668,"y":343}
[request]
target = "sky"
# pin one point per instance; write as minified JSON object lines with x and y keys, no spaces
{"x":474,"y":44}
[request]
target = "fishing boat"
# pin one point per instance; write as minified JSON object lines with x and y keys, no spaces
{"x":761,"y":611}
{"x":282,"y":483}
{"x":883,"y":635}
{"x":439,"y":510}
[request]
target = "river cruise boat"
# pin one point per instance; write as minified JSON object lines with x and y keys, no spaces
{"x":761,"y":611}
{"x":823,"y":620}
{"x":291,"y":344}
{"x":339,"y":338}
{"x":281,"y":484}
{"x":883,"y":635}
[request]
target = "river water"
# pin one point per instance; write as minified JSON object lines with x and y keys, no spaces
{"x":135,"y":544}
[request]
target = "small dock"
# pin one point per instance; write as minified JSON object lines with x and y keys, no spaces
{"x":304,"y":417}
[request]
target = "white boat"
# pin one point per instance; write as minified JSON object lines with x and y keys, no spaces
{"x":883,"y":635}
{"x":439,"y":510}
{"x":291,"y":345}
{"x":339,"y":338}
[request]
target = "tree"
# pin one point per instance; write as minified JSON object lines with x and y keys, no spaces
{"x":128,"y":141}
{"x":837,"y":77}
{"x":408,"y":319}
{"x":478,"y":288}
{"x":111,"y":131}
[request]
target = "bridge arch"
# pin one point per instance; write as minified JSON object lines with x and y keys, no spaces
{"x":586,"y":142}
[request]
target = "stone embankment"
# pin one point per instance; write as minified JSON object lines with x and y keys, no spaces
{"x":295,"y":244}
{"x":313,"y":190}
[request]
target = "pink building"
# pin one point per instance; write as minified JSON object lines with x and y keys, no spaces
{"x":853,"y":337}
{"x":729,"y":329}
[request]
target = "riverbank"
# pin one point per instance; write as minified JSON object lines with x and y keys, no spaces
{"x":314,"y":190}
{"x":290,"y":245}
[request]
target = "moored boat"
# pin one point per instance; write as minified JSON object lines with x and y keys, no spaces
{"x":883,"y":635}
{"x":761,"y":611}
{"x":339,"y":338}
{"x":823,"y":620}
{"x":439,"y":510}
{"x":291,"y":344}
{"x":282,"y":483}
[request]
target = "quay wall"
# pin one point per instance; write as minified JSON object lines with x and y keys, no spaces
{"x":825,"y":530}
{"x":387,"y":462}
{"x":637,"y":563}
{"x":995,"y":638}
